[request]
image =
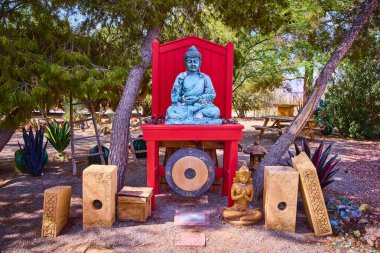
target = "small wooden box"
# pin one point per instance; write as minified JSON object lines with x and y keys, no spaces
{"x":133,"y":203}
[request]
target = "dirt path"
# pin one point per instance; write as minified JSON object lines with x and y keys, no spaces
{"x":21,"y":200}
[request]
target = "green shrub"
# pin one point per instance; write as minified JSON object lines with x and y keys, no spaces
{"x":244,"y":101}
{"x":321,"y":114}
{"x":354,"y":100}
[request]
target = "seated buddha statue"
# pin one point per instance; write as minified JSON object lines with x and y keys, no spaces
{"x":242,"y":193}
{"x":192,"y":95}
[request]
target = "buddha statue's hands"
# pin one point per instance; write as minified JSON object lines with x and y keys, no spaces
{"x":190,"y":100}
{"x":202,"y":101}
{"x":241,"y":195}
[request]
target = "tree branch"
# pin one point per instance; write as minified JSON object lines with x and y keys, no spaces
{"x":283,"y":143}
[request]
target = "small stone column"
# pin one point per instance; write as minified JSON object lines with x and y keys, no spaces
{"x":56,"y":210}
{"x":99,"y":189}
{"x":280,"y":197}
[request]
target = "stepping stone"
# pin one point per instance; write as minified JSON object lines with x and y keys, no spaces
{"x":191,"y":218}
{"x":191,"y":239}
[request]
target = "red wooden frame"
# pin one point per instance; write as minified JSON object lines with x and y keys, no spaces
{"x":168,"y":62}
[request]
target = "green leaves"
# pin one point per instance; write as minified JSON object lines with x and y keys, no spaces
{"x":58,"y":136}
{"x":354,"y":98}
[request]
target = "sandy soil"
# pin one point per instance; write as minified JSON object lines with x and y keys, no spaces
{"x":21,"y":201}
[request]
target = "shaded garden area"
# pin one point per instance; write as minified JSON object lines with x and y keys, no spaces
{"x":22,"y":200}
{"x":74,"y":70}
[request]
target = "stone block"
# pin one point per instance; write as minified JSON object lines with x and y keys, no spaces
{"x":99,"y":189}
{"x":280,"y":197}
{"x":312,"y":196}
{"x":56,"y":210}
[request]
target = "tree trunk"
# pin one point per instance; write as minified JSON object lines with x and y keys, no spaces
{"x":120,"y":124}
{"x":283,"y":143}
{"x":308,"y":80}
{"x":5,"y":136}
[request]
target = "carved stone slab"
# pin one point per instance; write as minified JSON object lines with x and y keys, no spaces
{"x":99,"y":189}
{"x":56,"y":210}
{"x":280,"y":197}
{"x":312,"y":196}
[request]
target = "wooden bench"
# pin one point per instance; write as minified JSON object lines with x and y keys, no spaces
{"x":310,"y":131}
{"x":275,"y":129}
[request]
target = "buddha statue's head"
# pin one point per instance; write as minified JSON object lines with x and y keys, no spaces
{"x":193,"y":59}
{"x":243,"y":175}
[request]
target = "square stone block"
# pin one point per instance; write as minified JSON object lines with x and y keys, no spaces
{"x":99,"y":189}
{"x":56,"y":210}
{"x":312,"y":195}
{"x":280,"y":197}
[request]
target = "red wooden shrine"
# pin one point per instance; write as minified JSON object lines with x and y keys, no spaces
{"x":168,"y":62}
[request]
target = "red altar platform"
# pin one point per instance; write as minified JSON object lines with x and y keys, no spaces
{"x":168,"y":62}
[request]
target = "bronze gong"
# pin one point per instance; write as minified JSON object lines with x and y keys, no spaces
{"x":190,"y":172}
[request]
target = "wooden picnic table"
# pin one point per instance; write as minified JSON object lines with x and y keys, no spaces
{"x":281,"y":123}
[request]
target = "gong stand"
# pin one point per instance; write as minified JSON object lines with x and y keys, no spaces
{"x":228,"y":134}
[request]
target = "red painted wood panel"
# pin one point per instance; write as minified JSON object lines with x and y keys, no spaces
{"x":169,"y":61}
{"x":192,"y":132}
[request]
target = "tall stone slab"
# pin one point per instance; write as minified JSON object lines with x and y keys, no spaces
{"x":312,"y":196}
{"x":280,"y":197}
{"x":56,"y":210}
{"x":99,"y":189}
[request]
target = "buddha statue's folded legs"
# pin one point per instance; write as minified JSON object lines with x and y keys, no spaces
{"x":177,"y":113}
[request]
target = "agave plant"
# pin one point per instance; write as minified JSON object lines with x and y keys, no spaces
{"x":58,"y":136}
{"x":325,"y":170}
{"x":34,"y":155}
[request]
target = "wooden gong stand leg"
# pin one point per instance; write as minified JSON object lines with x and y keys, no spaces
{"x":152,"y":169}
{"x":226,"y":153}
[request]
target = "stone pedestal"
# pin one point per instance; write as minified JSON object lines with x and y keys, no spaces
{"x":312,"y":196}
{"x":56,"y":210}
{"x":99,"y":189}
{"x":280,"y":197}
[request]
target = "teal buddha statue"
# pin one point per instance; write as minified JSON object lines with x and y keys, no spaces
{"x":193,"y":95}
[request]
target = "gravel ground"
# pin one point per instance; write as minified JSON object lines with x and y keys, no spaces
{"x":21,"y":201}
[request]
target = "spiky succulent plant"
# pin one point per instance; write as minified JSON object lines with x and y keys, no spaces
{"x":325,"y":169}
{"x":58,"y":136}
{"x":34,"y":155}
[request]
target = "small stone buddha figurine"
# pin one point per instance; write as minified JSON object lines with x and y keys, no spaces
{"x":192,"y":95}
{"x":242,"y":194}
